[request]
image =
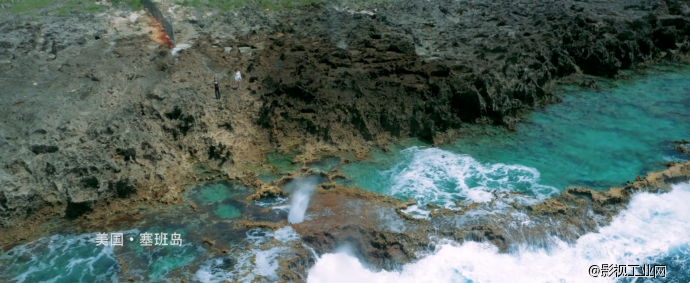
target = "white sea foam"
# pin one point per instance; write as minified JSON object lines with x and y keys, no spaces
{"x":258,"y":255}
{"x":286,"y":234}
{"x":52,"y":257}
{"x":442,"y":177}
{"x":266,"y":262}
{"x":274,"y":203}
{"x":249,"y":264}
{"x":416,"y":212}
{"x":654,"y":228}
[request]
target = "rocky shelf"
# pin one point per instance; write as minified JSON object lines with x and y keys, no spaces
{"x":96,"y":112}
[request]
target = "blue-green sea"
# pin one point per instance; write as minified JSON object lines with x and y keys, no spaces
{"x":595,"y":138}
{"x":598,"y":138}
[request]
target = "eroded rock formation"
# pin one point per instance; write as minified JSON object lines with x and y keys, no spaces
{"x":96,"y":110}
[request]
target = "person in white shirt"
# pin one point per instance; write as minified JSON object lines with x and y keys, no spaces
{"x":238,"y":78}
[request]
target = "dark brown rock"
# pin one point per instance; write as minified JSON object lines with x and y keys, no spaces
{"x":390,"y":74}
{"x":40,"y":149}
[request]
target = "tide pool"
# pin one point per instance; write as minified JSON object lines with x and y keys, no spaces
{"x":69,"y":257}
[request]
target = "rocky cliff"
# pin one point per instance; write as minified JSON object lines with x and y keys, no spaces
{"x":96,"y":110}
{"x":420,"y":68}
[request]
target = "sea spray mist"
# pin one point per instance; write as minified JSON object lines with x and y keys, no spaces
{"x":300,"y":200}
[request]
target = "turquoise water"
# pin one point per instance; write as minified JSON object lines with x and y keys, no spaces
{"x":219,"y":196}
{"x":217,"y":192}
{"x":595,"y":138}
{"x":227,"y":211}
{"x":69,"y":257}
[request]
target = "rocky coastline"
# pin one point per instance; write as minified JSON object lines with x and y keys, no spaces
{"x":389,"y":238}
{"x":99,"y":115}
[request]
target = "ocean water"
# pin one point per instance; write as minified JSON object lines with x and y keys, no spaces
{"x":256,"y":260}
{"x":595,"y":138}
{"x":60,"y":258}
{"x":72,"y":258}
{"x":652,"y":230}
{"x":76,"y":258}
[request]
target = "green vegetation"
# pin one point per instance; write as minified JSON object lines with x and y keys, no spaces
{"x":135,"y":5}
{"x":26,"y":7}
{"x":272,"y":5}
{"x":61,"y":7}
{"x":229,"y":5}
{"x":70,"y":6}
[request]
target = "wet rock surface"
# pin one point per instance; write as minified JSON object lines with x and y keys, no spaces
{"x":99,"y":114}
{"x":374,"y":229}
{"x":367,"y":223}
{"x":370,"y":225}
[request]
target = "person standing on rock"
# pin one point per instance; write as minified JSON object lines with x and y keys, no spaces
{"x":238,"y":79}
{"x":216,"y":85}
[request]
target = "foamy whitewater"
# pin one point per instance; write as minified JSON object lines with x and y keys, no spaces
{"x":653,"y":230}
{"x":442,"y":177}
{"x":259,"y":258}
{"x":63,"y":258}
